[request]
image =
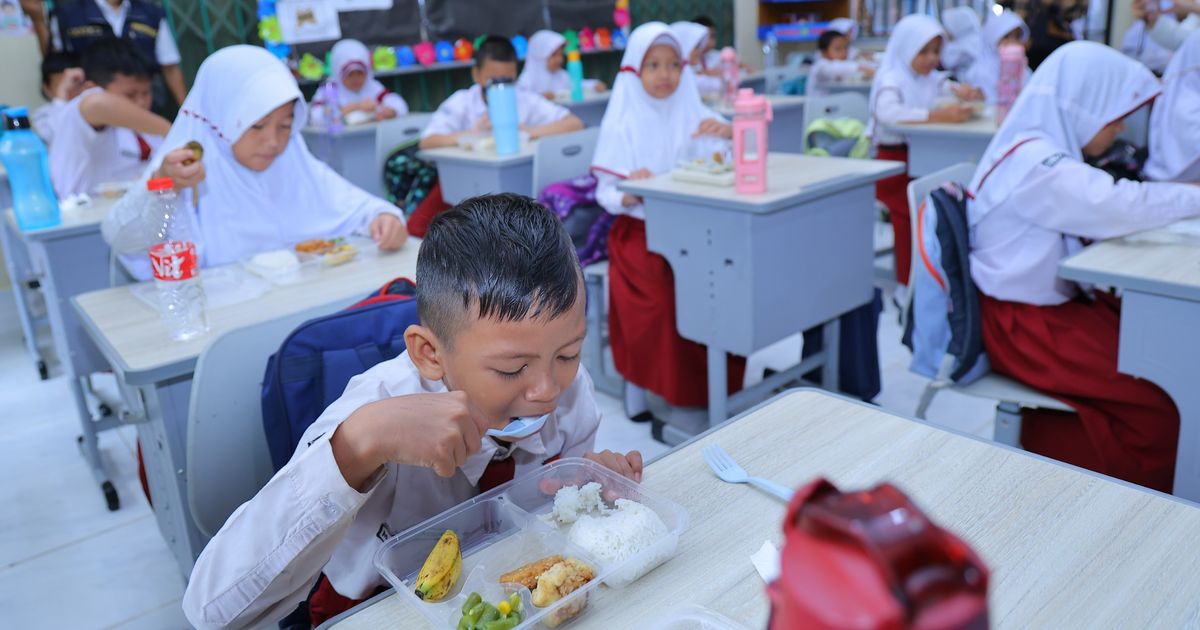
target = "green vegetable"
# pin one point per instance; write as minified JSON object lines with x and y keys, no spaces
{"x":472,"y":600}
{"x":489,"y":613}
{"x":503,"y":624}
{"x":472,"y":616}
{"x":514,"y":600}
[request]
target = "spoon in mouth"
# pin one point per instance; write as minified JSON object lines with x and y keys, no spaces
{"x":519,"y":428}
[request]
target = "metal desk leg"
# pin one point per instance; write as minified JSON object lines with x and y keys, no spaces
{"x":163,"y":439}
{"x":20,"y":272}
{"x":594,"y":342}
{"x":831,"y":332}
{"x":717,"y":386}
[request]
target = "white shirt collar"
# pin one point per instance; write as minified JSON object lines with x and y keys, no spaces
{"x":114,"y":17}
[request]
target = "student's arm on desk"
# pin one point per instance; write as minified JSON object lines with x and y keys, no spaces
{"x":1087,"y":202}
{"x":109,"y":110}
{"x":566,"y":124}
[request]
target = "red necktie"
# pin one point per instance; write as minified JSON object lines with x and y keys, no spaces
{"x":498,"y":471}
{"x":143,"y":147}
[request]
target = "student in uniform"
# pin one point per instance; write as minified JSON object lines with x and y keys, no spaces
{"x":833,"y":65}
{"x":849,"y":28}
{"x":964,"y":45}
{"x":465,"y":112}
{"x":693,"y":38}
{"x":544,"y":71}
{"x":1175,"y":119}
{"x":107,"y":132}
{"x":259,"y":187}
{"x":710,"y":60}
{"x":654,"y":112}
{"x":1035,"y":201}
{"x":1138,"y":44}
{"x":357,"y":88}
{"x":499,"y":338}
{"x":999,"y":30}
{"x":62,"y":81}
{"x":907,"y":88}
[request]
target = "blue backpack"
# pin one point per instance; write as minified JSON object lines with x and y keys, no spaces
{"x":315,"y":362}
{"x":944,"y":324}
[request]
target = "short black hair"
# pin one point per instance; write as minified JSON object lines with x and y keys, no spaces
{"x":504,"y":256}
{"x":704,"y":20}
{"x":55,"y":62}
{"x":109,"y":57}
{"x":827,"y":38}
{"x":495,"y":48}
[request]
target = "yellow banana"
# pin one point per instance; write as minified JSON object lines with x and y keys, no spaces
{"x":441,"y":569}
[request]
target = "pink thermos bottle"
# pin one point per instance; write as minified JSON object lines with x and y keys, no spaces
{"x":729,"y":75}
{"x":1012,"y":75}
{"x":751,"y":113}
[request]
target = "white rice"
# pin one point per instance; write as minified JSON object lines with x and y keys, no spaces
{"x":276,"y":260}
{"x":570,"y":502}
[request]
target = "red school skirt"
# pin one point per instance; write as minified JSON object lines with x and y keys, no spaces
{"x":893,"y":193}
{"x":1124,"y":427}
{"x":647,"y":349}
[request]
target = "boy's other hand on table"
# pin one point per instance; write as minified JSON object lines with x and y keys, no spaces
{"x":628,"y":465}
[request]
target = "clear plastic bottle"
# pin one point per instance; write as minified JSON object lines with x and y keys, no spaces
{"x":770,"y":59}
{"x":181,"y":302}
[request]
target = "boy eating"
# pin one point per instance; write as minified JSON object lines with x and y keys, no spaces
{"x":500,"y":299}
{"x":107,"y":132}
{"x":62,"y":81}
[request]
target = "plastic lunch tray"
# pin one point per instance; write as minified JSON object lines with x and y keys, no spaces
{"x":309,"y":263}
{"x":499,"y":531}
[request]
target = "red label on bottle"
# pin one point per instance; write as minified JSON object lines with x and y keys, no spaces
{"x":174,"y":260}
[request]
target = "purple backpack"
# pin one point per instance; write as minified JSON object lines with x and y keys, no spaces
{"x":574,"y":201}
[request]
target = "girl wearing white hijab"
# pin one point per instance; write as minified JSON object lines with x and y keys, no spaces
{"x":357,"y":88}
{"x":1006,"y":28}
{"x":849,"y":28}
{"x":906,"y":89}
{"x":259,"y":187}
{"x":965,"y":45}
{"x":544,"y":62}
{"x":1034,"y":201}
{"x":1175,"y":119}
{"x":654,"y":112}
{"x":693,"y":39}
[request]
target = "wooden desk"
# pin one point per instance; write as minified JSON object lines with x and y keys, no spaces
{"x":1067,"y":548}
{"x":464,"y":173}
{"x":349,"y":151}
{"x":753,"y":269}
{"x":156,"y":373}
{"x":591,"y":109}
{"x":785,"y":133}
{"x":935,"y":146}
{"x":1160,"y":338}
{"x":67,"y":260}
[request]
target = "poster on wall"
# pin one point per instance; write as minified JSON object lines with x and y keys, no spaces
{"x":303,"y":21}
{"x":362,"y":5}
{"x":12,"y":19}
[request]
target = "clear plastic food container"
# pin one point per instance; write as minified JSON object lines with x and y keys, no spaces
{"x":695,"y":617}
{"x":500,"y":531}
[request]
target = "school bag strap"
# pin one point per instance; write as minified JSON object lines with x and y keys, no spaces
{"x":317,"y":360}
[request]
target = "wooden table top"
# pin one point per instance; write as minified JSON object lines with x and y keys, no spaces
{"x":130,"y":334}
{"x":1067,"y":548}
{"x":1172,"y":270}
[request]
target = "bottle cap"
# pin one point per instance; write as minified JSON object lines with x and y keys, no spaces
{"x":573,"y":55}
{"x":160,"y":183}
{"x":16,"y":118}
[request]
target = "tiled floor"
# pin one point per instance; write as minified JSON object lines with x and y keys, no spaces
{"x":67,"y":562}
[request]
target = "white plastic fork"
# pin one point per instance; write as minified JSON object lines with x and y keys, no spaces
{"x":729,"y":471}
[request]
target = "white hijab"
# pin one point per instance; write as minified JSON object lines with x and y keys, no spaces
{"x":845,"y":26}
{"x":345,"y":57}
{"x":910,"y":35}
{"x":638,"y":130}
{"x":985,"y":72}
{"x":691,"y":36}
{"x":243,"y":212}
{"x":962,"y":23}
{"x":1078,"y":90}
{"x":535,"y":76}
{"x":1175,"y":120}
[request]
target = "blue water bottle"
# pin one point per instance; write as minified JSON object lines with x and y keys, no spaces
{"x":502,"y":110}
{"x":24,"y":157}
{"x":575,"y":72}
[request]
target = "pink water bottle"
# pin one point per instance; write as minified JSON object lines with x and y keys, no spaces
{"x":751,"y":113}
{"x":729,"y":75}
{"x":1012,"y":76}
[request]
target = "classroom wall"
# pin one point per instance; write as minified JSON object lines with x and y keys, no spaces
{"x":22,"y":71}
{"x":745,"y":32}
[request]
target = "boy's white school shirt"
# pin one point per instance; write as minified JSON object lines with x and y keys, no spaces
{"x":826,"y":73}
{"x":465,"y":107}
{"x":307,"y":520}
{"x":1016,"y":248}
{"x":82,"y":157}
{"x":43,"y":119}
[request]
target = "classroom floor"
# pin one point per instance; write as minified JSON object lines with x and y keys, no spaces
{"x":67,"y":562}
